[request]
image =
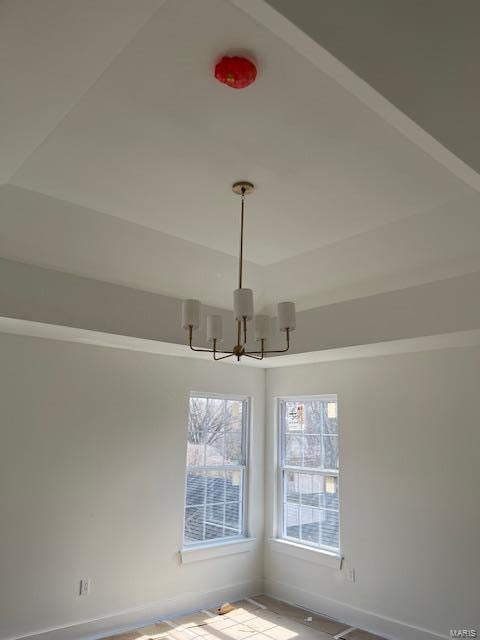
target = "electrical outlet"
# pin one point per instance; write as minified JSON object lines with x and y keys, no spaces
{"x":350,"y":573}
{"x":84,"y":587}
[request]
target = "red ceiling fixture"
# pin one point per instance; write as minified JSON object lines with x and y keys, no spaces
{"x":236,"y":72}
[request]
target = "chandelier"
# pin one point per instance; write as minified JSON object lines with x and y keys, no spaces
{"x":242,"y":310}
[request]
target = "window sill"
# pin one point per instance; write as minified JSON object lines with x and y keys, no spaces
{"x":216,"y":550}
{"x":303,"y":552}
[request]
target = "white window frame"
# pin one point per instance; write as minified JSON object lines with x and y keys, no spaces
{"x":282,"y":469}
{"x":243,"y":468}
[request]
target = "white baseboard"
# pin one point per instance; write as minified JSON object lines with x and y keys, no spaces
{"x":173,"y":607}
{"x":147,"y":614}
{"x":368,"y":620}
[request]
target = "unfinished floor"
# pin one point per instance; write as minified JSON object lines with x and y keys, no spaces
{"x":258,"y":618}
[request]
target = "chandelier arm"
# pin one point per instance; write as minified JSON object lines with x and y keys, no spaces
{"x":229,"y":355}
{"x":190,"y":337}
{"x":286,"y":348}
{"x":249,"y":355}
{"x":277,"y":350}
{"x":261,"y":353}
{"x":201,"y":349}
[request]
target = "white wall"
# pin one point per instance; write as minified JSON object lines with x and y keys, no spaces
{"x":92,"y":471}
{"x":409,"y":490}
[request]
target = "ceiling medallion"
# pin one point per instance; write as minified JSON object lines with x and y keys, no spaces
{"x":242,"y":309}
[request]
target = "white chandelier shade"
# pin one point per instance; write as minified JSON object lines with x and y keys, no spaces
{"x":243,"y":304}
{"x":243,"y":311}
{"x":214,"y":328}
{"x":286,"y":316}
{"x":191,"y":314}
{"x":262,"y":327}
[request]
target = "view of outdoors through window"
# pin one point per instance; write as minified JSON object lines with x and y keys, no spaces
{"x":216,"y":467}
{"x":309,"y":465}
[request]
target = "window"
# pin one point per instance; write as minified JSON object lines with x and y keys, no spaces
{"x":216,"y":469}
{"x":309,"y":472}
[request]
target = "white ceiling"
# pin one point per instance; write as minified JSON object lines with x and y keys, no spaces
{"x":119,"y":149}
{"x":52,"y":52}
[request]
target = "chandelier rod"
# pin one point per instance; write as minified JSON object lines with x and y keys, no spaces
{"x":242,"y":215}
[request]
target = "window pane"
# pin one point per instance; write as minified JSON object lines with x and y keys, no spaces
{"x":330,"y":421}
{"x":215,"y":486}
{"x":293,"y":450}
{"x":213,"y":531}
{"x":214,"y":414}
{"x":215,"y":514}
{"x":195,"y":455}
{"x":232,"y":515}
{"x":195,"y":488}
{"x":233,"y":486}
{"x":314,"y":412}
{"x":310,"y":525}
{"x":196,"y":432}
{"x":310,"y":489}
{"x":234,"y":416}
{"x":231,"y":532}
{"x":291,"y":487}
{"x":312,"y":451}
{"x":320,"y":416}
{"x":294,"y":416}
{"x":233,"y":448}
{"x":292,"y":521}
{"x":330,"y":452}
{"x":329,"y":529}
{"x":330,"y":495}
{"x":214,"y":449}
{"x":194,"y":521}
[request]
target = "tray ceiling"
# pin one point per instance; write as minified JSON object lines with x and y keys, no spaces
{"x":126,"y":126}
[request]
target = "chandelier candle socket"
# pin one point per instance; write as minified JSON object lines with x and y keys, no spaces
{"x":242,"y":310}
